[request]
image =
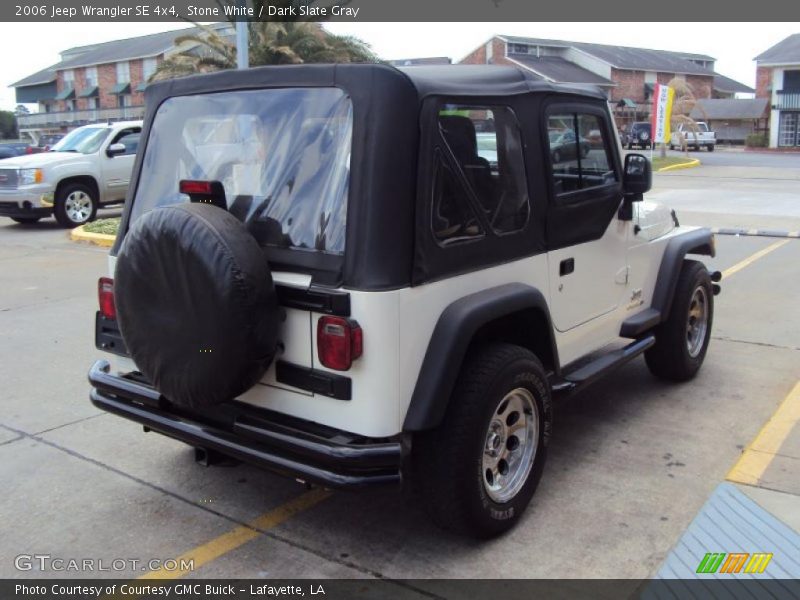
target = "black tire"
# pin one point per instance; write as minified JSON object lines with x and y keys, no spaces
{"x":25,"y":220}
{"x":75,"y":193}
{"x":449,"y":461}
{"x":710,"y":148}
{"x":671,"y":358}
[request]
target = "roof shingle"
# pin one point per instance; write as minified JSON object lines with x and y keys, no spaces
{"x":785,"y":51}
{"x":558,"y":69}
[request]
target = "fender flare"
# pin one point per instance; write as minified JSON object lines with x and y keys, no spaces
{"x":699,"y":241}
{"x":454,"y":331}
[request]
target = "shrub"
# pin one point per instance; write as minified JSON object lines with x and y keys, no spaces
{"x":756,"y":140}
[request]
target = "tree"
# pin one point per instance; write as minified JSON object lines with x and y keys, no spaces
{"x":8,"y":125}
{"x":21,"y":109}
{"x":270,"y":43}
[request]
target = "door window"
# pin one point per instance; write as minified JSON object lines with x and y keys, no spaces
{"x":579,"y":152}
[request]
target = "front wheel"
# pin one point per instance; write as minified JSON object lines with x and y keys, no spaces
{"x":75,"y":205}
{"x":479,"y":469}
{"x":682,"y":340}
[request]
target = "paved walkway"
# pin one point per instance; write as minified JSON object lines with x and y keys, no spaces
{"x":750,"y":526}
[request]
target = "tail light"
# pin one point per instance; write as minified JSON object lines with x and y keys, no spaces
{"x":339,"y":342}
{"x":105,"y":295}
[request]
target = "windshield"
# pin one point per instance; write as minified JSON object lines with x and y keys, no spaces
{"x":282,"y":156}
{"x":85,"y":140}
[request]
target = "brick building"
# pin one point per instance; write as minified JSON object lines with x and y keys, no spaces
{"x":628,"y":75}
{"x":778,"y":81}
{"x":99,"y":82}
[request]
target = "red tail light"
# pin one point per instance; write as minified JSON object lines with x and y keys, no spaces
{"x":339,"y":342}
{"x":105,"y":295}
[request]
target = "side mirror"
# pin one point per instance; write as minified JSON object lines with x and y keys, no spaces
{"x":637,"y":178}
{"x":117,"y":149}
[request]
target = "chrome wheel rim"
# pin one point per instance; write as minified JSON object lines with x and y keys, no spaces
{"x":509,"y":449}
{"x":697,"y":322}
{"x":78,"y":206}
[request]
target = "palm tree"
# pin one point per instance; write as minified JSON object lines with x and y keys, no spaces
{"x":271,"y":42}
{"x":682,"y":105}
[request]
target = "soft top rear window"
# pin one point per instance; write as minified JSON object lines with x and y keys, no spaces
{"x":282,"y":156}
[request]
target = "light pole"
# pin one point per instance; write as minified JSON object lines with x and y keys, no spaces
{"x":242,"y":54}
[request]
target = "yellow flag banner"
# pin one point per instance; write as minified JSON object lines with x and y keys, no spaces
{"x":662,"y":113}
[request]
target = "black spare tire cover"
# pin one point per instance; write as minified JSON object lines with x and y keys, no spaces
{"x":195,"y":303}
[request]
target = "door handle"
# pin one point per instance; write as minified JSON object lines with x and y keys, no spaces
{"x":566,"y":267}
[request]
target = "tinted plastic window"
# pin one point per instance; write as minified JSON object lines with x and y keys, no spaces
{"x":579,"y":152}
{"x":485,"y":144}
{"x":282,"y":156}
{"x":454,"y":219}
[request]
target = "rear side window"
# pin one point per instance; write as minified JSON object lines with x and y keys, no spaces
{"x":579,"y":152}
{"x":480,"y":175}
{"x":282,"y":156}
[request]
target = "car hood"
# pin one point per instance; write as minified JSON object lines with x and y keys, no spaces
{"x":654,"y":220}
{"x":43,"y":159}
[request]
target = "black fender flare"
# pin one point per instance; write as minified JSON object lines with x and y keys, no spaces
{"x":454,"y":331}
{"x":699,"y":241}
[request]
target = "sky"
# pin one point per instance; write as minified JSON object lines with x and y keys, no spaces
{"x":30,"y":47}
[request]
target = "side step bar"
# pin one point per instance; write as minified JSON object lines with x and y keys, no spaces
{"x":591,"y":372}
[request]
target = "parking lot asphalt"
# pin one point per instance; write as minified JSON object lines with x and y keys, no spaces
{"x":632,"y":459}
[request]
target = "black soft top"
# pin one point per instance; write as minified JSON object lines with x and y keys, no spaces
{"x":387,"y":103}
{"x":444,"y":80}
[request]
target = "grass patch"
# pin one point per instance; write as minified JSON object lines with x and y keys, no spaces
{"x":104,"y":226}
{"x":668,"y":161}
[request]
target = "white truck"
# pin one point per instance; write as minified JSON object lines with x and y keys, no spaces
{"x":88,"y":168}
{"x":694,"y":136}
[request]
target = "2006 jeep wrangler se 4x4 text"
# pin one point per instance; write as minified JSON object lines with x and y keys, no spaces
{"x":359,"y":275}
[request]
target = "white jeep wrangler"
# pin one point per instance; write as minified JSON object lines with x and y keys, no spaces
{"x":328,"y":272}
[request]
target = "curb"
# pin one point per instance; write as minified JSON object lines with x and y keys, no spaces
{"x":755,"y":232}
{"x":98,"y":239}
{"x":695,"y":162}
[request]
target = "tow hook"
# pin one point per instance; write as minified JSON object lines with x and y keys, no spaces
{"x":716,"y":276}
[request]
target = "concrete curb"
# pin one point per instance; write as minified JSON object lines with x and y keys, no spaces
{"x":98,"y":239}
{"x":694,"y":162}
{"x":755,"y":232}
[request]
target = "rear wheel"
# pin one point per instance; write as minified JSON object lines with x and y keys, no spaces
{"x":711,"y":148}
{"x":682,"y":340}
{"x":479,"y":469}
{"x":75,"y":205}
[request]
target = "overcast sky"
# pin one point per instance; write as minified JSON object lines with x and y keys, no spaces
{"x":29,"y":47}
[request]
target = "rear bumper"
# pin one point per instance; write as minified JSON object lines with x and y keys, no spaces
{"x":255,"y":436}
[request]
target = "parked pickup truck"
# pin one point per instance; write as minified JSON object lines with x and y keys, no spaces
{"x":694,"y":136}
{"x":90,"y":167}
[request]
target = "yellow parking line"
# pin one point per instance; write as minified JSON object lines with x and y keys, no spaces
{"x":757,"y":456}
{"x":241,"y":535}
{"x":753,"y":258}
